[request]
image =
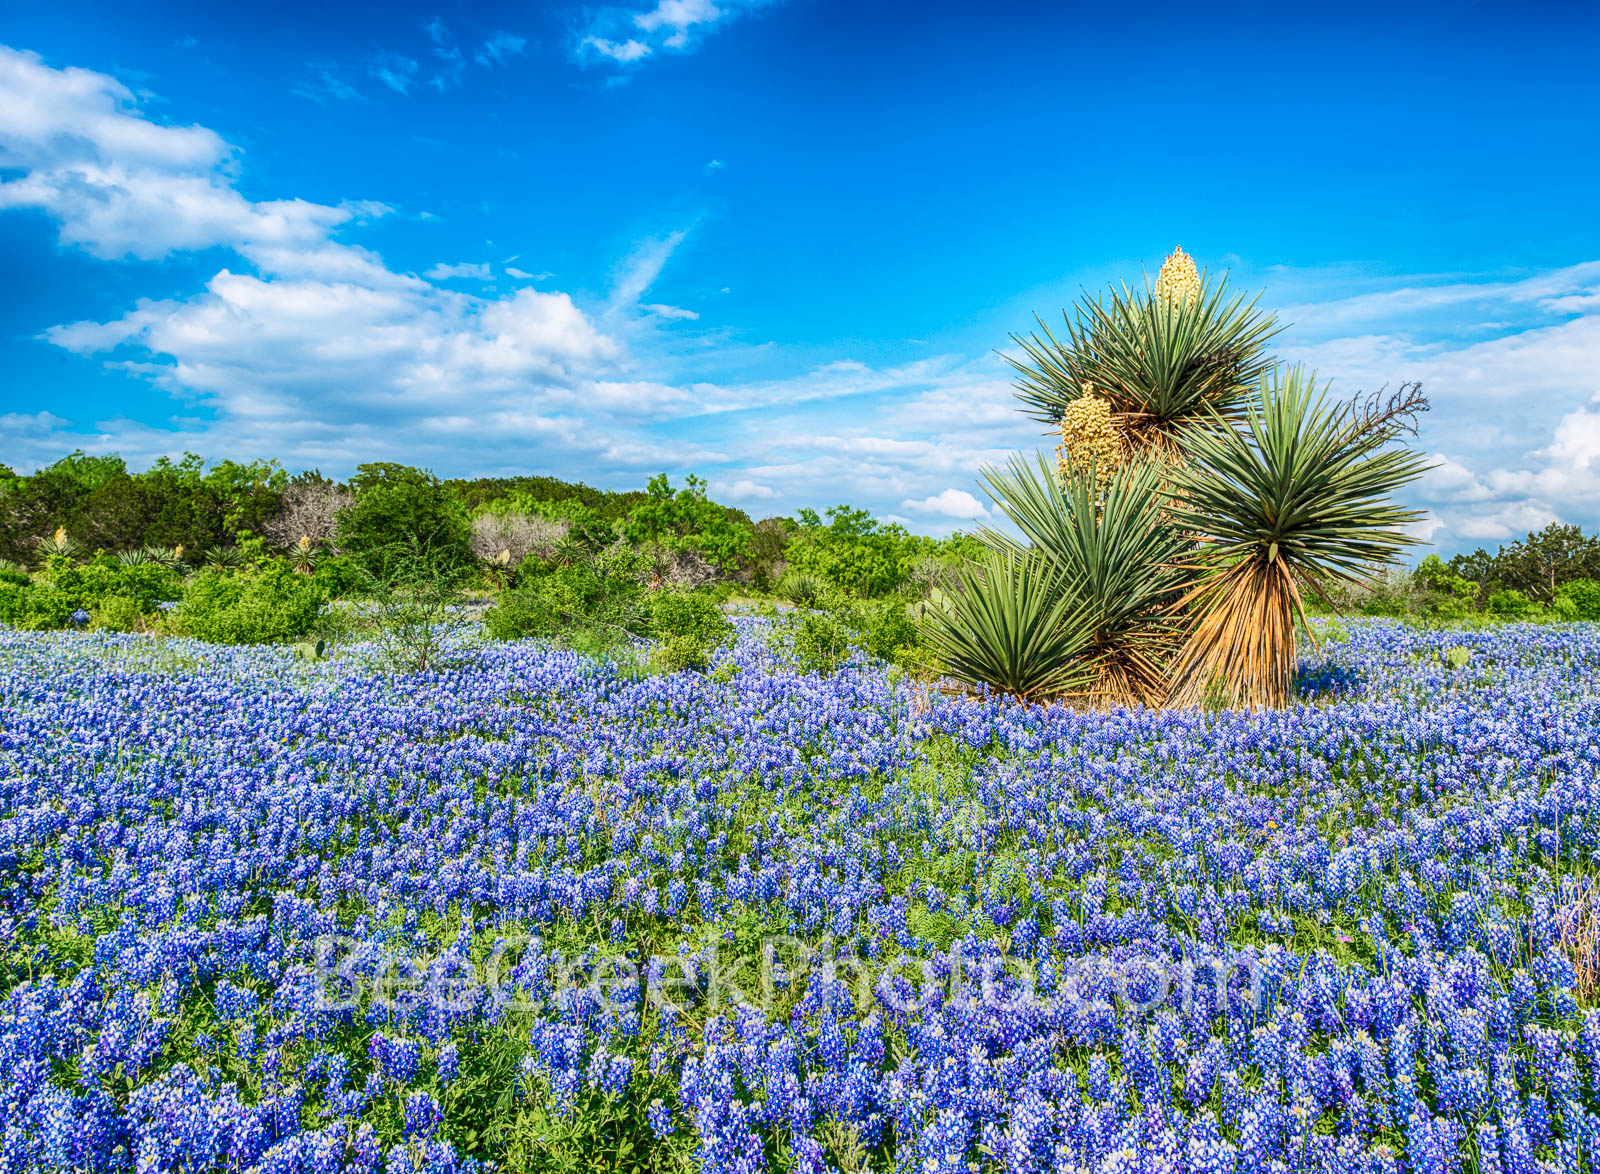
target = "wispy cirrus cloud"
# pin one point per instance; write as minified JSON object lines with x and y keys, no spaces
{"x":624,"y":36}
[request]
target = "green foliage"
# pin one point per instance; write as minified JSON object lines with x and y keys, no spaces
{"x":397,"y":506}
{"x":1457,"y":656}
{"x":1293,"y":499}
{"x":546,"y":496}
{"x":119,"y":613}
{"x":88,"y":584}
{"x":882,"y":628}
{"x":255,"y":606}
{"x":688,"y":627}
{"x":688,"y":519}
{"x":35,"y":606}
{"x":1510,"y":604}
{"x":414,"y":591}
{"x":1014,"y":625}
{"x":103,"y":506}
{"x":1539,"y":564}
{"x":1167,"y":363}
{"x":1584,"y":595}
{"x":602,"y":598}
{"x":854,"y":552}
{"x":801,"y":588}
{"x":1111,"y":548}
{"x":813,"y":642}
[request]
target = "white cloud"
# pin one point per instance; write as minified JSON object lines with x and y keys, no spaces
{"x":443,"y":272}
{"x":628,"y":35}
{"x":642,"y":268}
{"x":676,"y":313}
{"x":952,"y":503}
{"x":395,"y":70}
{"x":524,"y":275}
{"x":499,"y":49}
{"x":743,"y":489}
{"x":621,"y":51}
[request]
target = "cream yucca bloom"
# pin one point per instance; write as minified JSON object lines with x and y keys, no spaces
{"x":1089,"y":439}
{"x":61,"y":535}
{"x":1179,"y":281}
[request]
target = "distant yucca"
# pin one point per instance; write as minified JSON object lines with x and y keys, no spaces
{"x":1179,"y":281}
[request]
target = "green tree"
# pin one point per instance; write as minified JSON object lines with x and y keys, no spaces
{"x":1539,"y":564}
{"x":854,"y":552}
{"x":397,"y":507}
{"x":688,"y":519}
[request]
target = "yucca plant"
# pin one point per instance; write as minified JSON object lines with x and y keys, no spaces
{"x":137,"y":557}
{"x":59,"y":545}
{"x":1010,"y":625}
{"x":224,"y":558}
{"x":170,"y":557}
{"x":1287,"y":501}
{"x":1162,"y":359}
{"x":801,"y":588}
{"x":304,"y":556}
{"x":1116,"y":554}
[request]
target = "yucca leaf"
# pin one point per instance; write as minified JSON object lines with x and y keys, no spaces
{"x":1010,"y":626}
{"x":1286,"y":500}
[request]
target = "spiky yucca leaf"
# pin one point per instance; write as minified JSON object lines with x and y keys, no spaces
{"x":1162,"y":363}
{"x":1294,"y":497}
{"x":1009,"y":626}
{"x":1115,"y":551}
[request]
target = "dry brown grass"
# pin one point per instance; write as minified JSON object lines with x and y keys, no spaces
{"x":1578,"y":936}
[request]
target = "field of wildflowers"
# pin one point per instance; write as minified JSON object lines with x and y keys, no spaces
{"x":261,"y":913}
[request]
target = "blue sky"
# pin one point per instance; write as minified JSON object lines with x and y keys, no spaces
{"x":778,"y":244}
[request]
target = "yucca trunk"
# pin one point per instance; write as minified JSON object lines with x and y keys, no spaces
{"x":1244,"y":643}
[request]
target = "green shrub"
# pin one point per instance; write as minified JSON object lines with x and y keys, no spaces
{"x":1585,"y":597}
{"x":817,"y":641}
{"x":35,"y":606}
{"x":688,"y":628}
{"x":90,"y":584}
{"x":601,"y":597}
{"x":118,"y":613}
{"x":259,"y":607}
{"x":1510,"y":604}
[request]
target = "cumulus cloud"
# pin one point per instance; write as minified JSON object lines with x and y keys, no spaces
{"x":952,"y":503}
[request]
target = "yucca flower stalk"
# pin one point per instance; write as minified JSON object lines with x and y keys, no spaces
{"x":1111,"y":543}
{"x":58,"y":545}
{"x":1289,"y":500}
{"x":1162,"y":363}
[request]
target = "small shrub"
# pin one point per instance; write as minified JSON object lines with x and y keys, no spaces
{"x":1584,"y":595}
{"x":119,"y":613}
{"x":35,"y":607}
{"x":818,"y":642}
{"x":1510,"y":604}
{"x":688,"y":628}
{"x":248,"y":608}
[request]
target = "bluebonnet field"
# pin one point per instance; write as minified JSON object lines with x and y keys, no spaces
{"x":269,"y":914}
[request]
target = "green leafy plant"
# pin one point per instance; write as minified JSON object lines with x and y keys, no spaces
{"x":413,"y":590}
{"x":1112,"y":548}
{"x":248,"y":607}
{"x":688,"y":627}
